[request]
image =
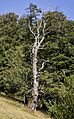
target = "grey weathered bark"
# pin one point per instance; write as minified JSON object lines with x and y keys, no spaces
{"x":39,"y":38}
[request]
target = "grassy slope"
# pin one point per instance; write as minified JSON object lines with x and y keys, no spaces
{"x":13,"y":110}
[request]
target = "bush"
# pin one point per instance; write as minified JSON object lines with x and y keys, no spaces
{"x":64,"y":109}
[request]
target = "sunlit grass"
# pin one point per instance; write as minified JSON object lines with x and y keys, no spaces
{"x":13,"y":110}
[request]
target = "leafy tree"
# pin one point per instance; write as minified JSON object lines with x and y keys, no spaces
{"x":38,"y":52}
{"x":13,"y":69}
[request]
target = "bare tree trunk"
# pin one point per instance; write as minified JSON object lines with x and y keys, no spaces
{"x":36,"y":80}
{"x":38,"y":41}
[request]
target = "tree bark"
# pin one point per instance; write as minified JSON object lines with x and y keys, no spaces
{"x":36,"y":46}
{"x":35,"y":77}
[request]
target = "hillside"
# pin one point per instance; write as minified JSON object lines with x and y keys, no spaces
{"x":37,"y":64}
{"x":13,"y":110}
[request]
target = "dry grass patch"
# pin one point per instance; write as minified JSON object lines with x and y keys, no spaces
{"x":13,"y":110}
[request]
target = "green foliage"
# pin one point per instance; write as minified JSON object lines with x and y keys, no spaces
{"x":56,"y":79}
{"x":64,"y":109}
{"x":56,"y":22}
{"x":14,"y":70}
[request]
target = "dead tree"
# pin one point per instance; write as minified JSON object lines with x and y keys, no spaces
{"x":39,"y":36}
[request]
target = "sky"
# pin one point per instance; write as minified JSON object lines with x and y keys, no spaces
{"x":19,"y":6}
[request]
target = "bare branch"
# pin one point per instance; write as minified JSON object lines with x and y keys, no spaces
{"x":47,"y":33}
{"x":35,"y":45}
{"x":31,"y":29}
{"x":43,"y":64}
{"x":42,"y":48}
{"x":44,"y":25}
{"x":39,"y":25}
{"x":41,"y":41}
{"x":46,"y":29}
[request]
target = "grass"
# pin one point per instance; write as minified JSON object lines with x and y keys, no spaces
{"x":13,"y":110}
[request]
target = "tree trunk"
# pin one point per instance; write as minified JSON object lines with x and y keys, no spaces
{"x":38,"y":41}
{"x":36,"y":79}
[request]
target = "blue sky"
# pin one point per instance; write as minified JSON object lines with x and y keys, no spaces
{"x":18,"y":6}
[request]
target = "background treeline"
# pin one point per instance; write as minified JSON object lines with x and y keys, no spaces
{"x":56,"y":91}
